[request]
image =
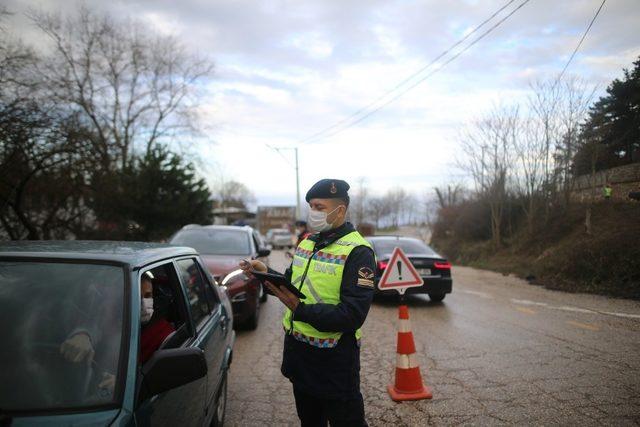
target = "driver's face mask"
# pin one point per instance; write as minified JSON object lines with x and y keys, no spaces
{"x":146,"y":310}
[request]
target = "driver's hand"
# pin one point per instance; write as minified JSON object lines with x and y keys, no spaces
{"x":108,"y":382}
{"x":77,"y":348}
{"x":252,"y":265}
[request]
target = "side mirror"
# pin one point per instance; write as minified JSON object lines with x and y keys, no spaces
{"x":171,"y":368}
{"x":264,"y":252}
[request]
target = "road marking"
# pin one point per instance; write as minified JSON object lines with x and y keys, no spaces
{"x":527,"y":302}
{"x":476,"y":293}
{"x":583,"y":325}
{"x":573,"y":309}
{"x":628,"y":316}
{"x":525,"y":310}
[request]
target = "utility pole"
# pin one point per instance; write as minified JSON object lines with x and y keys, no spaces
{"x":296,"y":167}
{"x":297,"y":187}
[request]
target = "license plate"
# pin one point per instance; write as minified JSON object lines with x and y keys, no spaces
{"x":424,"y":271}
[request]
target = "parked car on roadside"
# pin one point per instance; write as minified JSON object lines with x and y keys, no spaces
{"x":434,"y":269}
{"x":280,"y":238}
{"x":222,"y":247}
{"x":73,"y":338}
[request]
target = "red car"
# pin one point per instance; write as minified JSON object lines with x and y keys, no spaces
{"x":221,"y":247}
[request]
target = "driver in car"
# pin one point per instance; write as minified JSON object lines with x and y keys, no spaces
{"x":154,"y":328}
{"x":78,"y":347}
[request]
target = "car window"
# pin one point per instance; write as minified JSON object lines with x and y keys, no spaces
{"x":214,"y":241}
{"x":409,"y":246}
{"x":256,"y":241}
{"x":63,"y":332}
{"x":169,"y":312}
{"x":212,"y":296}
{"x":196,"y":288}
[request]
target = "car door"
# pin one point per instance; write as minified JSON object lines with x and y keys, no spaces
{"x":211,"y":329}
{"x":184,"y":405}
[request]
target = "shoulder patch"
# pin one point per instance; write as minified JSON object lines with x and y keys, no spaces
{"x":365,"y":273}
{"x":365,"y":277}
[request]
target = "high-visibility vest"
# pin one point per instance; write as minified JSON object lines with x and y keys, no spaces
{"x":607,"y":191}
{"x":322,"y":282}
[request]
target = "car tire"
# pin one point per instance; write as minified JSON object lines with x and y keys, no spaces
{"x":437,"y":297}
{"x":220,"y":407}
{"x":252,"y":321}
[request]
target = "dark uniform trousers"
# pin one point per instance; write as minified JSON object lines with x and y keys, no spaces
{"x":337,"y":412}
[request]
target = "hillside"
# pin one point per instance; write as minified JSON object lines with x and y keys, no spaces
{"x":562,"y":256}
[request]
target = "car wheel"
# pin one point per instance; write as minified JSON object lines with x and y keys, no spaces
{"x":252,"y":322}
{"x":221,"y":404}
{"x":437,"y":297}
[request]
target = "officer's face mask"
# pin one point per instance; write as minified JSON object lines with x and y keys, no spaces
{"x":146,"y":310}
{"x":317,"y":220}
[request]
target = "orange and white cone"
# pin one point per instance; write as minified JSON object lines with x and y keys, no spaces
{"x":408,"y":384}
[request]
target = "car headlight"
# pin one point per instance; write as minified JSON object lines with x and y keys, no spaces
{"x":232,"y":275}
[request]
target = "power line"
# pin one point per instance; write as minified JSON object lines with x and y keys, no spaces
{"x":451,"y":59}
{"x":277,"y":150}
{"x":411,"y":77}
{"x":580,"y":42}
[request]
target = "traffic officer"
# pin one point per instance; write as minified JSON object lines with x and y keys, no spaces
{"x":302,"y":231}
{"x":334,"y":269}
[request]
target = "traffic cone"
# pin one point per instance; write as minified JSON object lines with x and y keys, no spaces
{"x":408,"y":384}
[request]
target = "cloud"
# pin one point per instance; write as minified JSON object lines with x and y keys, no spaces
{"x":289,"y":68}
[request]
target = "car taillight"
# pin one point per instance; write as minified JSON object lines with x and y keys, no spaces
{"x":383,"y":264}
{"x":443,"y":265}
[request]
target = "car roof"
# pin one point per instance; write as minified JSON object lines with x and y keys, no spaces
{"x":388,"y":237}
{"x":136,"y":254}
{"x":191,"y":227}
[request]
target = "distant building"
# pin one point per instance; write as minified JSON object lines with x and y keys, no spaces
{"x":233,"y":215}
{"x":275,"y":217}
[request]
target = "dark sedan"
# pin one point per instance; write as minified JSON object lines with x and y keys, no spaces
{"x":433,"y":268}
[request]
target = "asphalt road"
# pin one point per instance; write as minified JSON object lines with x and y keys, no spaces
{"x":496,"y":351}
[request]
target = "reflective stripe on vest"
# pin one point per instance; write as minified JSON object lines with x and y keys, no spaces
{"x":321,"y":284}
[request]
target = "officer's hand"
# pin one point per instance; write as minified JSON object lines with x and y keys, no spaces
{"x":254,"y":264}
{"x":284,"y":295}
{"x":77,"y":348}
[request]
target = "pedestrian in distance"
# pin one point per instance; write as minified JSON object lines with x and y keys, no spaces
{"x":607,"y":191}
{"x":334,"y":269}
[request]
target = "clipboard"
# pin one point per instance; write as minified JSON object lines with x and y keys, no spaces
{"x":278,"y":280}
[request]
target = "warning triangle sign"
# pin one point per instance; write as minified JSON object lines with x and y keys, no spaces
{"x":400,"y":273}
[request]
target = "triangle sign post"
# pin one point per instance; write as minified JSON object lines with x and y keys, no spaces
{"x":400,"y":274}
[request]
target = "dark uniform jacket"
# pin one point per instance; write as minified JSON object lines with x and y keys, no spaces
{"x":332,"y":373}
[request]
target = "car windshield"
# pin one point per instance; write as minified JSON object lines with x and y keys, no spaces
{"x":408,"y":246}
{"x":214,"y":242}
{"x":62,"y":333}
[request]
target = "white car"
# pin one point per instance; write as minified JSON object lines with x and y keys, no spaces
{"x":280,"y":238}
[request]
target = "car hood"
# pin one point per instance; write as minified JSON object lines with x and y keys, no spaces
{"x":219,"y":265}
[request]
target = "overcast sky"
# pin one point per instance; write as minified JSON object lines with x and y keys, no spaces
{"x":288,"y":69}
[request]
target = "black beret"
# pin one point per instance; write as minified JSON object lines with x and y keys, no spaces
{"x":328,"y":189}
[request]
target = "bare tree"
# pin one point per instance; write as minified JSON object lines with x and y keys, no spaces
{"x":233,"y":194}
{"x":379,"y":209}
{"x":449,"y":196}
{"x":132,"y":88}
{"x":359,"y":201}
{"x":575,"y":97}
{"x":488,"y":158}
